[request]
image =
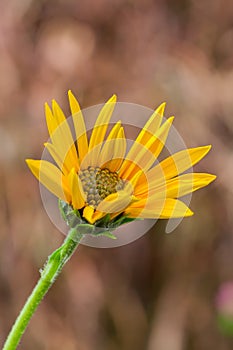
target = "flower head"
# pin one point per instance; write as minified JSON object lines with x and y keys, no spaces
{"x":102,"y":183}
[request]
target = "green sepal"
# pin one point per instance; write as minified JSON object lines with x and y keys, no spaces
{"x":104,"y":221}
{"x":71,"y":216}
{"x":121,"y":221}
{"x":102,"y":227}
{"x":88,"y":229}
{"x":73,"y":219}
{"x":108,"y":234}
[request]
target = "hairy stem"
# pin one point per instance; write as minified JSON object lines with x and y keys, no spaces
{"x":51,"y":270}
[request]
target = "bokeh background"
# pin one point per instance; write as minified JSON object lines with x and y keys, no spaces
{"x":162,"y":291}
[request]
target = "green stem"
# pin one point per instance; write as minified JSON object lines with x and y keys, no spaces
{"x":51,"y":270}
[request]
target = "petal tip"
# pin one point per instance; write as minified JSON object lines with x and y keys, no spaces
{"x":204,"y":149}
{"x":207,"y":148}
{"x":189,"y":212}
{"x":160,"y":110}
{"x":170,"y":119}
{"x":54,"y":102}
{"x":29,"y":161}
{"x":47,"y":109}
{"x":70,"y":94}
{"x":212,"y":177}
{"x":113,"y":98}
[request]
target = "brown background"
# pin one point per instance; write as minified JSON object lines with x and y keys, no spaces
{"x":158,"y":292}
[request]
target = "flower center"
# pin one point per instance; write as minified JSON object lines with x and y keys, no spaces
{"x":99,"y":183}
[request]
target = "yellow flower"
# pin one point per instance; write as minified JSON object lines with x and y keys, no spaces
{"x":105,"y":184}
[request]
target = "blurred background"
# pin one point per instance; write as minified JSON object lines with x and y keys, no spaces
{"x":162,"y":292}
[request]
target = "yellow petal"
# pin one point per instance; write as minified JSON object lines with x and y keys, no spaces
{"x":61,"y":136}
{"x":91,"y":158}
{"x":57,"y":112}
{"x":172,"y":166}
{"x":113,"y":151}
{"x":91,"y":215}
{"x":100,"y":128}
{"x":65,"y":129}
{"x":129,"y":187}
{"x":51,"y":177}
{"x":53,"y":152}
{"x":74,"y":105}
{"x":79,"y":125}
{"x":65,"y":147}
{"x":113,"y":133}
{"x":102,"y":122}
{"x":119,"y":151}
{"x":143,"y":156}
{"x":160,"y":112}
{"x":50,"y":120}
{"x":88,"y":212}
{"x":78,"y":196}
{"x":181,"y":185}
{"x":115,"y":202}
{"x":163,"y":209}
{"x":152,"y":125}
{"x":107,"y":151}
